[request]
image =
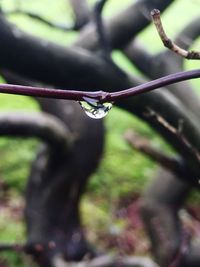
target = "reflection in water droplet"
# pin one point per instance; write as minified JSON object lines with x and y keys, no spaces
{"x":94,"y":109}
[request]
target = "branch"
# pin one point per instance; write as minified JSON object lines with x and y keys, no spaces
{"x":41,"y":19}
{"x":186,"y":37}
{"x":44,"y":126}
{"x":176,"y":131}
{"x":168,"y":42}
{"x":81,"y":11}
{"x":143,"y":145}
{"x":99,"y":95}
{"x":68,"y":63}
{"x":104,"y":96}
{"x":165,"y":62}
{"x":176,"y":165}
{"x":160,"y":206}
{"x":124,"y":26}
{"x":103,"y":39}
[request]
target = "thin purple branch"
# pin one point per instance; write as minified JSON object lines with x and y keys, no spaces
{"x":99,"y":95}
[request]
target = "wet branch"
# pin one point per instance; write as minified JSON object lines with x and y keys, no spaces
{"x":101,"y":96}
{"x":155,"y":13}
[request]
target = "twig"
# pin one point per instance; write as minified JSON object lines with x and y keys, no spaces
{"x":100,"y":96}
{"x":41,"y":19}
{"x":143,"y":145}
{"x":155,"y":13}
{"x":175,"y":131}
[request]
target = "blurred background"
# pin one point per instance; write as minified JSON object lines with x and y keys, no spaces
{"x":113,"y":191}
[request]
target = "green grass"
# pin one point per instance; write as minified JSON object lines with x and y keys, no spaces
{"x":122,"y":171}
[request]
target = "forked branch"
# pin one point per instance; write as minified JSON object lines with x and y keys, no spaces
{"x":176,"y":131}
{"x":143,"y":145}
{"x":155,"y":13}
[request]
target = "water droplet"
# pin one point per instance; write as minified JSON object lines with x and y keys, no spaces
{"x":94,"y":109}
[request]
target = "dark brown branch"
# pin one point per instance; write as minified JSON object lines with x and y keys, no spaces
{"x":143,"y":145}
{"x":81,"y":11}
{"x":168,"y":42}
{"x":40,"y":125}
{"x":160,"y":206}
{"x":65,"y":72}
{"x":103,"y":39}
{"x":174,"y":164}
{"x":164,"y":63}
{"x":99,"y":95}
{"x":172,"y":110}
{"x":175,"y":131}
{"x":63,"y":65}
{"x":122,"y":27}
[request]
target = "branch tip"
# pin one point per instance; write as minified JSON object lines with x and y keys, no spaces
{"x":155,"y":14}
